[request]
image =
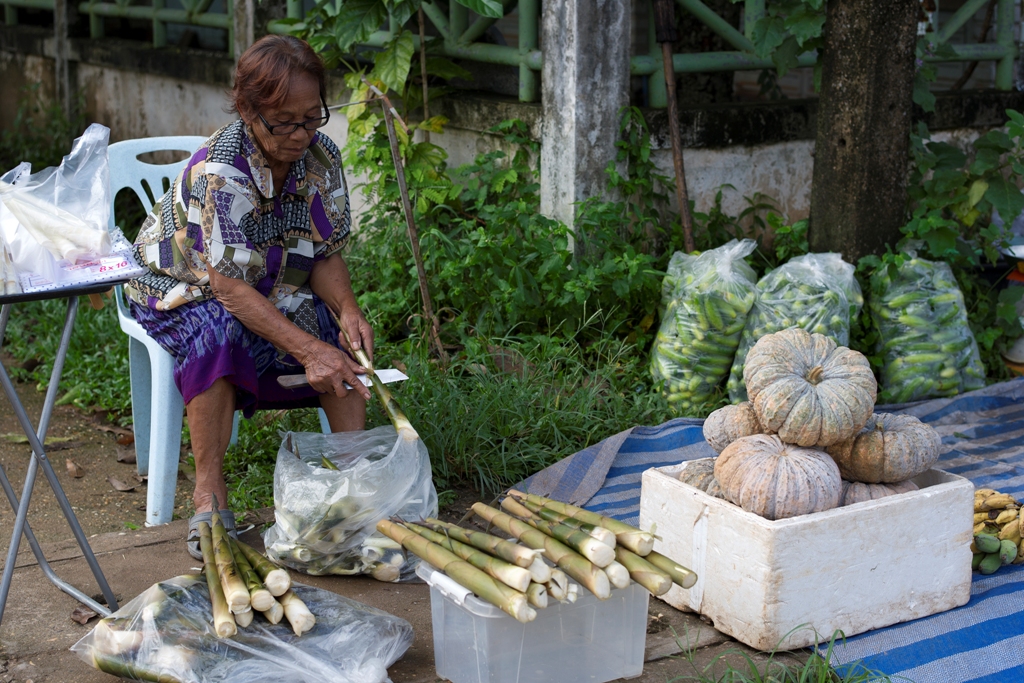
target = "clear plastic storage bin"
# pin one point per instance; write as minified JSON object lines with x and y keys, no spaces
{"x":591,"y":640}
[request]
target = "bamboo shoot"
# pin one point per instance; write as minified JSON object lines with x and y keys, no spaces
{"x":276,"y":580}
{"x":259,"y":597}
{"x":643,"y":572}
{"x":499,"y":547}
{"x":639,"y":542}
{"x":680,"y":574}
{"x":223,"y":622}
{"x":297,"y":613}
{"x":509,"y":574}
{"x":587,"y":546}
{"x":235,"y":590}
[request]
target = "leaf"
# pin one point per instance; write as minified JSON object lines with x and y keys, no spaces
{"x":357,"y":21}
{"x":126,"y":455}
{"x":435,"y":124}
{"x":995,"y":140}
{"x":977,"y":191}
{"x":485,"y":8}
{"x":785,"y":56}
{"x":74,"y":469}
{"x":1005,"y":197}
{"x":82,"y":615}
{"x":392,"y":65}
{"x":805,"y":25}
{"x":769,"y":32}
{"x":120,"y":485}
{"x":984,"y":161}
{"x":446,"y":69}
{"x":923,"y":96}
{"x":403,"y":10}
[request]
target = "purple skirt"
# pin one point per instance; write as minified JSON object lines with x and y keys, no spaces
{"x":208,"y":343}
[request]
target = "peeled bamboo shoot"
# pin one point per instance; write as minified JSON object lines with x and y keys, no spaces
{"x":223,"y":622}
{"x":537,"y":595}
{"x":297,"y":613}
{"x":618,"y":576}
{"x":498,"y":594}
{"x":276,"y":580}
{"x":587,"y":546}
{"x":509,"y":574}
{"x":117,"y":667}
{"x":259,"y":597}
{"x":566,"y":559}
{"x":275,"y":613}
{"x":235,"y":591}
{"x":243,"y":619}
{"x":640,"y":542}
{"x":499,"y":547}
{"x":643,"y":572}
{"x":386,"y":572}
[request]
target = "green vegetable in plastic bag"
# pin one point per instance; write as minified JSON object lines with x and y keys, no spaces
{"x":816,"y":292}
{"x":706,"y":300}
{"x":926,"y":345}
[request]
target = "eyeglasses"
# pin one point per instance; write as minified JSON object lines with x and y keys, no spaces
{"x":289,"y":128}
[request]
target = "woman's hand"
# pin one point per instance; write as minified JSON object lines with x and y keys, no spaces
{"x":328,"y":369}
{"x":353,"y":323}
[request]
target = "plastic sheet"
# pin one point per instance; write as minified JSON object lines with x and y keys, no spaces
{"x":925,"y":342}
{"x":326,"y":518}
{"x":65,"y":209}
{"x":705,"y":302}
{"x":166,"y":634}
{"x":817,"y":292}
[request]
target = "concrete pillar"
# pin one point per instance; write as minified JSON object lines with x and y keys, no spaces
{"x":60,"y":55}
{"x":244,"y":27}
{"x":584,"y":86}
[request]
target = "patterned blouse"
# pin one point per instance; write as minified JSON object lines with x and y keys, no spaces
{"x":224,"y":205}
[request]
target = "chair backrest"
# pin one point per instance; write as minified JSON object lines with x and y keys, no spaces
{"x":127,"y":170}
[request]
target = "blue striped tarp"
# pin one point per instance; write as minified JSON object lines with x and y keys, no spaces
{"x":981,"y":642}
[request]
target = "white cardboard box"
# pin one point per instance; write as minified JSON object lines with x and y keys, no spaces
{"x":855,"y":568}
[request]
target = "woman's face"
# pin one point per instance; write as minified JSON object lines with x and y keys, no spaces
{"x":301,"y":104}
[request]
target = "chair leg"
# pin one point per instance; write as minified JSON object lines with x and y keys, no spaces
{"x":325,"y":426}
{"x":141,"y":379}
{"x":234,"y":428}
{"x":165,"y":442}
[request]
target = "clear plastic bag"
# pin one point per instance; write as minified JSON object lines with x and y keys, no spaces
{"x":705,"y":302}
{"x":66,"y":209}
{"x":326,"y":518}
{"x":166,"y":634}
{"x":817,"y":292}
{"x":925,"y":342}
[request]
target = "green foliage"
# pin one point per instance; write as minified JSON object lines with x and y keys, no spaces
{"x":788,"y":29}
{"x":953,"y":196}
{"x":40,"y":134}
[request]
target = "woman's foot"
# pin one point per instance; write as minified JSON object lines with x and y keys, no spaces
{"x":192,"y":541}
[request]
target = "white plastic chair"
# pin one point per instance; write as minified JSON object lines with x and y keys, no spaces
{"x":157,"y":405}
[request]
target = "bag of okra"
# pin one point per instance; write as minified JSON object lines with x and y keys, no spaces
{"x":926,"y":345}
{"x":817,"y":292}
{"x":705,"y":302}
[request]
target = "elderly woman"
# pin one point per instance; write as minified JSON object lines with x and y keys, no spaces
{"x":247,"y":279}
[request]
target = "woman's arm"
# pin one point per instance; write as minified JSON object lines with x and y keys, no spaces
{"x":329,"y":280}
{"x":326,"y":366}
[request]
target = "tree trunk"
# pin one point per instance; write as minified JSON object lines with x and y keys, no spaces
{"x":859,"y":189}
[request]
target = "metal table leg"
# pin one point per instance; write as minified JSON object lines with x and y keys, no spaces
{"x":36,"y":439}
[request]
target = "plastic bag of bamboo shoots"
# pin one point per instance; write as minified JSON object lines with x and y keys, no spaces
{"x":166,"y":634}
{"x":817,"y":292}
{"x":705,"y":302}
{"x":926,"y":345}
{"x":330,"y":490}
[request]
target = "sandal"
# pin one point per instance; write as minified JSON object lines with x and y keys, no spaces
{"x":192,"y":542}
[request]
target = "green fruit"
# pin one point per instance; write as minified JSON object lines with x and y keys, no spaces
{"x":987,"y":543}
{"x":976,"y":560}
{"x":1007,"y":552}
{"x":990,"y":563}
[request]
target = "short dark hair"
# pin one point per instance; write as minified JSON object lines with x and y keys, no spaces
{"x":265,"y":71}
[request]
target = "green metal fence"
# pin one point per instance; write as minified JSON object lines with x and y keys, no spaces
{"x":460,"y":36}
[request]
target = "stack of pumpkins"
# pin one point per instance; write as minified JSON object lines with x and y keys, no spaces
{"x":808,"y":438}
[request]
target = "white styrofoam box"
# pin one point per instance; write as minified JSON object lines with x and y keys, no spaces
{"x":589,"y":641}
{"x":791,"y":582}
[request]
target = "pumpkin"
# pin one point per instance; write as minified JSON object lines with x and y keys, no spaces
{"x":858,"y":492}
{"x":766,"y":476}
{"x":700,"y":474}
{"x":807,"y":389}
{"x":727,"y":424}
{"x":890,"y":448}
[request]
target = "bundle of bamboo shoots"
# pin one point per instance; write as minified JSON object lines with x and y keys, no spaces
{"x":584,"y":548}
{"x":241,"y":581}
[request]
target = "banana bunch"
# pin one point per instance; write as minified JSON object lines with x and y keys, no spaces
{"x":926,"y":346}
{"x":997,"y":531}
{"x":705,"y":300}
{"x":816,"y":292}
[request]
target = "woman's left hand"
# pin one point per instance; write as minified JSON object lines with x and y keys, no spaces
{"x":359,"y":331}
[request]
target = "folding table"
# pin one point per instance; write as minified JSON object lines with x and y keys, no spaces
{"x":36,"y":439}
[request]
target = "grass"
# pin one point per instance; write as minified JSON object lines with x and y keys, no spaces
{"x":738,"y":666}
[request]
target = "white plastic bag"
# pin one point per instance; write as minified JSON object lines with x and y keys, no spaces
{"x":166,"y":633}
{"x":326,"y":518}
{"x":705,"y":302}
{"x":65,"y":209}
{"x":816,"y":292}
